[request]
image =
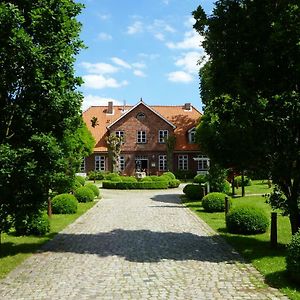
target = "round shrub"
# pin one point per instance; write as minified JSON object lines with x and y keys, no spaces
{"x":128,"y":179}
{"x":95,"y":175}
{"x":246,"y":220}
{"x":112,"y":176}
{"x":193,"y":191}
{"x":159,"y":178}
{"x":94,"y":189}
{"x":64,"y":204}
{"x":36,"y":224}
{"x":80,"y":180}
{"x":170,"y":175}
{"x":214,"y":202}
{"x":293,"y":258}
{"x":238,"y":181}
{"x":200,"y":179}
{"x":146,"y":179}
{"x":84,"y":194}
{"x":174,"y":183}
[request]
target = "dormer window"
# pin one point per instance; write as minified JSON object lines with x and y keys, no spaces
{"x":192,"y":135}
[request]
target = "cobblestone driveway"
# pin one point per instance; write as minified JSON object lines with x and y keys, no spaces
{"x":136,"y":245}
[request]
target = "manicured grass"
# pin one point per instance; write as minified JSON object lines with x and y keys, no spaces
{"x":257,"y":187}
{"x":256,"y":248}
{"x":15,"y":250}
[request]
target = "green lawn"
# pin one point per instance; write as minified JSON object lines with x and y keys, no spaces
{"x":257,"y":187}
{"x":256,"y":248}
{"x":15,"y":250}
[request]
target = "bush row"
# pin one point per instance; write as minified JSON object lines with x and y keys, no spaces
{"x":140,"y":185}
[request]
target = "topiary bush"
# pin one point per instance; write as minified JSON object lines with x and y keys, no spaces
{"x":80,"y":180}
{"x":112,"y":177}
{"x":147,"y":178}
{"x":35,"y":224}
{"x":95,"y":175}
{"x":238,"y":181}
{"x":94,"y":189}
{"x":193,"y":191}
{"x":84,"y":194}
{"x":246,"y":220}
{"x":174,"y":183}
{"x":140,"y":185}
{"x":170,"y":175}
{"x":200,"y":179}
{"x":64,"y":204}
{"x":293,"y":258}
{"x":214,"y":202}
{"x":128,"y":179}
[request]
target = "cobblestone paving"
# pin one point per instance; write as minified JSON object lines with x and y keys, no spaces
{"x":136,"y":245}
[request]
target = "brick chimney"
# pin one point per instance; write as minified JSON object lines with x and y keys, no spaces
{"x":187,"y":106}
{"x":110,"y":109}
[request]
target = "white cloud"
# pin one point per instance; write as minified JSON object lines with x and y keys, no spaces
{"x":99,"y":68}
{"x":139,"y":65}
{"x":190,"y":21}
{"x":150,"y":56}
{"x":104,"y":36}
{"x":189,"y":62}
{"x":104,"y":17}
{"x":180,"y":76}
{"x":99,"y":82}
{"x":192,"y":40}
{"x":136,"y":27}
{"x":139,"y":73}
{"x":120,"y":62}
{"x":159,"y":36}
{"x":92,"y":100}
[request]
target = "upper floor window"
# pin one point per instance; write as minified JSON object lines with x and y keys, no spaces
{"x":202,"y":163}
{"x":162,"y":136}
{"x":141,"y":137}
{"x":121,"y":134}
{"x":99,"y":163}
{"x":192,"y":135}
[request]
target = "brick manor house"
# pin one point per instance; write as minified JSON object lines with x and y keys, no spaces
{"x":144,"y":129}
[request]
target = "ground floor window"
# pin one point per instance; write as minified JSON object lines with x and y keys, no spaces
{"x":122,"y":163}
{"x":82,"y":166}
{"x":99,"y":163}
{"x":183,"y":162}
{"x":162,"y":162}
{"x":202,"y":163}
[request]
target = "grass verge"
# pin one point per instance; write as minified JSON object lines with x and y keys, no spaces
{"x":15,"y":249}
{"x":256,"y":248}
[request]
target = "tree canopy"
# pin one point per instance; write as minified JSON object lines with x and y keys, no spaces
{"x":40,"y":107}
{"x":250,"y":88}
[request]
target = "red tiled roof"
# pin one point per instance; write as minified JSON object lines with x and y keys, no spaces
{"x":182,"y":119}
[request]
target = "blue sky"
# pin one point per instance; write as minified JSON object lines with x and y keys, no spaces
{"x":140,"y":48}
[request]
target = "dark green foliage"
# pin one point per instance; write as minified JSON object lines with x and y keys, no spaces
{"x":84,"y":194}
{"x":35,"y":224}
{"x":246,"y":220}
{"x":94,"y":189}
{"x":96,"y":175}
{"x":217,"y":179}
{"x":193,"y":191}
{"x":159,"y":178}
{"x":64,"y":204}
{"x":140,"y":185}
{"x":277,"y":200}
{"x":214,"y":202}
{"x":80,"y":180}
{"x":293,"y":258}
{"x":147,"y":178}
{"x":169,"y":174}
{"x":238,"y":181}
{"x":128,"y":179}
{"x":185,"y":174}
{"x":200,"y":179}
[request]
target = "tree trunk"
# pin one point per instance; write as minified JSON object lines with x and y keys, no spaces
{"x":49,"y":210}
{"x":232,"y":186}
{"x":243,"y":184}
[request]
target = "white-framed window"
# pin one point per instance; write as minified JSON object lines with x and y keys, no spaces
{"x":162,"y":136}
{"x":122,"y":163}
{"x":82,"y":166}
{"x":202,"y":163}
{"x":99,"y":163}
{"x":192,"y":135}
{"x":120,"y":133}
{"x":141,"y":137}
{"x":162,"y":162}
{"x":183,"y":162}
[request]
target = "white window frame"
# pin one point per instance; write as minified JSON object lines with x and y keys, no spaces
{"x":141,"y":137}
{"x":122,"y":163}
{"x":119,"y":133}
{"x":162,"y":162}
{"x":183,"y":162}
{"x":162,"y":135}
{"x":82,"y":166}
{"x":99,"y":163}
{"x":202,"y":163}
{"x":192,"y":135}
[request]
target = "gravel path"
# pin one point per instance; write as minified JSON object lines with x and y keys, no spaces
{"x":136,"y":245}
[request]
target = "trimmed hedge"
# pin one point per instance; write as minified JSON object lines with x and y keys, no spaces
{"x":140,"y":185}
{"x":174,"y":183}
{"x":80,"y":180}
{"x":214,"y":202}
{"x":112,"y":176}
{"x":64,"y":204}
{"x":128,"y":178}
{"x":200,"y":179}
{"x":95,"y":175}
{"x":84,"y":194}
{"x":246,"y":220}
{"x":94,"y":189}
{"x":170,"y":175}
{"x":193,"y":191}
{"x":147,"y":178}
{"x":185,"y":174}
{"x":293,"y":258}
{"x":37,"y":224}
{"x":238,"y":181}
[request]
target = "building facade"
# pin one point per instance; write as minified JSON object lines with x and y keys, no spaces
{"x":144,"y":130}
